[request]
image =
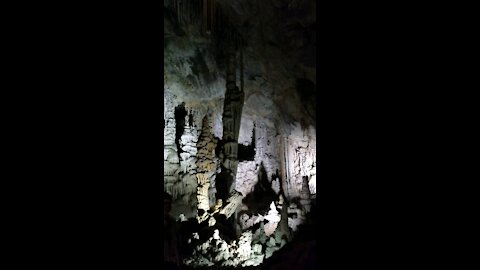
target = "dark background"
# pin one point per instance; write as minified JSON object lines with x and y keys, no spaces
{"x":82,"y":143}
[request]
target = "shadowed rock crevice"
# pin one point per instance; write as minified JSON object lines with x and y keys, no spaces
{"x":180,"y":114}
{"x":262,"y":196}
{"x":247,"y":152}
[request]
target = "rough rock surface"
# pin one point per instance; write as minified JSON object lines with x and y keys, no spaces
{"x":274,"y":68}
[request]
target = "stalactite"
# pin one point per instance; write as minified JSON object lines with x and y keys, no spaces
{"x":213,"y":14}
{"x":198,"y":11}
{"x":204,"y":17}
{"x":203,"y":171}
{"x":180,"y":11}
{"x":207,"y":15}
{"x":287,"y":166}
{"x":179,"y":188}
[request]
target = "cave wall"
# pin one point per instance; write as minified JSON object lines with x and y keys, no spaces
{"x":275,"y":178}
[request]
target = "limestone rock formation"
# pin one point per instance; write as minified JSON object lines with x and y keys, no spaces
{"x":239,"y":125}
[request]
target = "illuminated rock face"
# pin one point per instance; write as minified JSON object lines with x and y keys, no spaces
{"x":264,"y":133}
{"x":206,"y":165}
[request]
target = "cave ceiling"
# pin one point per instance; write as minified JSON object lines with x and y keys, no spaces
{"x":279,"y":60}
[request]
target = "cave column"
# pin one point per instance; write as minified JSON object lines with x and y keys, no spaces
{"x":233,"y":105}
{"x":205,"y":171}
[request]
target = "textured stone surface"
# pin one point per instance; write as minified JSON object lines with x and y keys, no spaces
{"x":272,"y":109}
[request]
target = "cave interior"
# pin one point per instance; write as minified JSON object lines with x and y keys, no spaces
{"x":240,"y":131}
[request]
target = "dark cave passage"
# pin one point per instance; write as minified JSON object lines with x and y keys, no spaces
{"x":180,"y":114}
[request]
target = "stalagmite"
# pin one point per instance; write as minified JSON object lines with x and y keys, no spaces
{"x":233,"y":105}
{"x":205,"y":164}
{"x":202,"y":196}
{"x":239,"y":156}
